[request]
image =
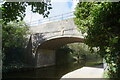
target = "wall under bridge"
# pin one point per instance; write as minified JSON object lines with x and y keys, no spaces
{"x":46,"y":38}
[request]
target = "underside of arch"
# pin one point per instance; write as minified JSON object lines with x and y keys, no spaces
{"x":45,"y":54}
{"x":58,"y":42}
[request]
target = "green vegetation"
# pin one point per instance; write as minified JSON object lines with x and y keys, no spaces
{"x":81,"y":51}
{"x":16,"y":10}
{"x":15,"y":31}
{"x":101,"y":22}
{"x":75,"y":52}
{"x":14,"y":37}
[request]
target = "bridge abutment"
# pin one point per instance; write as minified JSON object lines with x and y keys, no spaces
{"x":45,"y":57}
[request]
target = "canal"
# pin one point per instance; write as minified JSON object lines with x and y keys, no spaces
{"x":51,"y":72}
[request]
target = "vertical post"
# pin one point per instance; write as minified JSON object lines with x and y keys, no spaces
{"x":38,"y":22}
{"x":105,"y":65}
{"x":62,"y":31}
{"x":49,"y":19}
{"x":62,"y":16}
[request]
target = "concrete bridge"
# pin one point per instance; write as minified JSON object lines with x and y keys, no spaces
{"x":46,"y":38}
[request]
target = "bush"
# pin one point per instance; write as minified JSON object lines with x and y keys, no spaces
{"x":13,"y":42}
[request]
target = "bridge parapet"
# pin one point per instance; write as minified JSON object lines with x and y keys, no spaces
{"x":39,"y":38}
{"x":54,"y":26}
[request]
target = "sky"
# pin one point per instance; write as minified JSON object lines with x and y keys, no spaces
{"x":58,"y":7}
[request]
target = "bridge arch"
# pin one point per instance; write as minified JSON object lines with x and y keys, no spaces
{"x":55,"y":43}
{"x":45,"y":53}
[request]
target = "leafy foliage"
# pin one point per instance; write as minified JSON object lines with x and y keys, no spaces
{"x":82,"y":13}
{"x":16,"y":10}
{"x":103,"y":31}
{"x":74,"y":52}
{"x":81,"y":51}
{"x":13,"y":40}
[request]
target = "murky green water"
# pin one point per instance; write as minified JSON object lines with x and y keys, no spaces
{"x":51,"y":72}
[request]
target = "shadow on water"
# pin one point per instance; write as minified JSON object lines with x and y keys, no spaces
{"x":48,"y":73}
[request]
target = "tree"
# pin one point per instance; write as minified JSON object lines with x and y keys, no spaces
{"x":16,"y":10}
{"x":103,"y":31}
{"x":14,"y":31}
{"x":13,"y":41}
{"x":81,"y":51}
{"x":82,"y":13}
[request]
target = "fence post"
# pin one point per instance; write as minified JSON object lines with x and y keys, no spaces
{"x":62,"y":16}
{"x":49,"y":19}
{"x":38,"y":22}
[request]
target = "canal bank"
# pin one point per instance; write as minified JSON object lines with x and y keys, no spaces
{"x":52,"y":72}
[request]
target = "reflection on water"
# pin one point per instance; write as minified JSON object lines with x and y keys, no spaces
{"x":55,"y":72}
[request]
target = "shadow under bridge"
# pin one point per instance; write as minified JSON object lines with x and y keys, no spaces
{"x":45,"y":52}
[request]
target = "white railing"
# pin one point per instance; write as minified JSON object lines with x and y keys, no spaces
{"x":52,"y":19}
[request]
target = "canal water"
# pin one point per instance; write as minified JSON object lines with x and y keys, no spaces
{"x":51,"y":72}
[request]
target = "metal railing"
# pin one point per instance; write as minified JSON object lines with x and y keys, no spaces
{"x":52,"y":19}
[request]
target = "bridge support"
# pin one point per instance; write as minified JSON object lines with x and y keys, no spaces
{"x":45,"y":57}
